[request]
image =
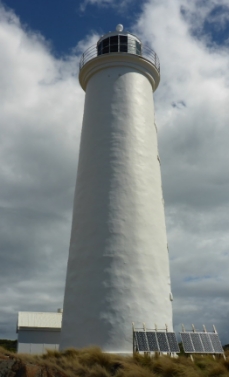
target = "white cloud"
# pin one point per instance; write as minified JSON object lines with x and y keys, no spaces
{"x":192,"y":117}
{"x":97,"y":2}
{"x":119,"y":5}
{"x":85,"y":3}
{"x":41,"y":107}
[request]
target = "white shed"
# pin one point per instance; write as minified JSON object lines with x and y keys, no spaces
{"x":38,"y":331}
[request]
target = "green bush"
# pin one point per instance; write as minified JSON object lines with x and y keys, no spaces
{"x":10,"y":345}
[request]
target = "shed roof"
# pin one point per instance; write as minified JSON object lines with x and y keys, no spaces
{"x":39,"y":320}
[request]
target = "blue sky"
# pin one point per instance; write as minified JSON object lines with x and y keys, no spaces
{"x":41,"y":108}
{"x":63,"y":23}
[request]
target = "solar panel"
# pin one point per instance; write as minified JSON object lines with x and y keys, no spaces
{"x":216,"y":344}
{"x":162,"y":342}
{"x":152,"y":341}
{"x":173,"y":345}
{"x":201,"y":342}
{"x":187,"y":343}
{"x":141,"y":341}
{"x":206,"y":343}
{"x":198,"y":347}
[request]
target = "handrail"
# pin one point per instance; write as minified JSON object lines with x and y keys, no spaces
{"x":146,"y":52}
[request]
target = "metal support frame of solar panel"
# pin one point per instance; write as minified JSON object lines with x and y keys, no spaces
{"x":156,"y":341}
{"x":201,"y":342}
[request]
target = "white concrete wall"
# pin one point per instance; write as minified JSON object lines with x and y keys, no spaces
{"x":37,"y":341}
{"x":118,"y":268}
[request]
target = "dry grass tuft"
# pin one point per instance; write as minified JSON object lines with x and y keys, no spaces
{"x":165,"y":365}
{"x":92,"y":362}
{"x":136,"y":371}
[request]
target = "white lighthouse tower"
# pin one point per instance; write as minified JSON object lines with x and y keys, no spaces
{"x":118,"y":267}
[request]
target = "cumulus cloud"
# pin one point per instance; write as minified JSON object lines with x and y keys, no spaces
{"x":192,"y":117}
{"x":209,"y":20}
{"x":41,"y":107}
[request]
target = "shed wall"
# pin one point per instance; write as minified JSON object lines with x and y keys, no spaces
{"x":37,"y":341}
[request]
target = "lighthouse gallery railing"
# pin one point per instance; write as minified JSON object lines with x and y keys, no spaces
{"x":145,"y":52}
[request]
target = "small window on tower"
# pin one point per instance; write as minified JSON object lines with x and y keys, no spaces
{"x":105,"y":48}
{"x":131,"y":45}
{"x":138,"y":48}
{"x":99,"y":47}
{"x":123,"y":43}
{"x":114,"y":44}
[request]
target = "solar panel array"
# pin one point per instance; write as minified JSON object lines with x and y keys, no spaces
{"x":155,"y":341}
{"x":201,"y":342}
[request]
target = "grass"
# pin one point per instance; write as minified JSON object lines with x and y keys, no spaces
{"x":92,"y":362}
{"x":10,"y":345}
